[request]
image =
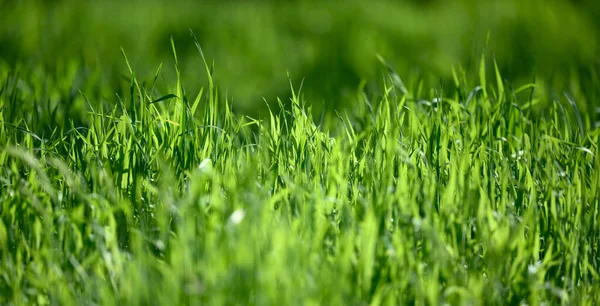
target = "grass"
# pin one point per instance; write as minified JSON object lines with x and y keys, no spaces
{"x":332,"y":45}
{"x":458,"y":195}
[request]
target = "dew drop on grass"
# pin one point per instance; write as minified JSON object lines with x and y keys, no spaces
{"x":533,"y":268}
{"x":237,"y":216}
{"x":206,"y":165}
{"x":160,"y":245}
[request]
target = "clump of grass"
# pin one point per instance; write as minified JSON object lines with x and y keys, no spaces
{"x":458,"y":196}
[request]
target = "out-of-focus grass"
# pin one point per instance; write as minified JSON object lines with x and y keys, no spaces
{"x":331,"y":45}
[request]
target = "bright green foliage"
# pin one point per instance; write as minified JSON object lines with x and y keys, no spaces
{"x":456,"y":196}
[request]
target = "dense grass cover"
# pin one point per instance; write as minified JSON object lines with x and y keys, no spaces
{"x":454,"y":195}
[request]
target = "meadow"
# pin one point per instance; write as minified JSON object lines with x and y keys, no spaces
{"x":147,"y":183}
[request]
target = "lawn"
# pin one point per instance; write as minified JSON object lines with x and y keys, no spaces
{"x":147,"y":186}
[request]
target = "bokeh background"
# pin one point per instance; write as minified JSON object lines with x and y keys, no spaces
{"x":331,"y":45}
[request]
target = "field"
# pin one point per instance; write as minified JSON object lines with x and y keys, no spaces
{"x":139,"y":178}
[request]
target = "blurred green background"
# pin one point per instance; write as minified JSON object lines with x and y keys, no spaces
{"x":332,"y":45}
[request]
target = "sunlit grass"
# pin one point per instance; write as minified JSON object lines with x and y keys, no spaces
{"x":456,"y":195}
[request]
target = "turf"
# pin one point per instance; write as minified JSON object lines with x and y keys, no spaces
{"x":460,"y":194}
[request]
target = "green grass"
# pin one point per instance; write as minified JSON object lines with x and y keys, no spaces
{"x":459,"y":194}
{"x":332,"y":44}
